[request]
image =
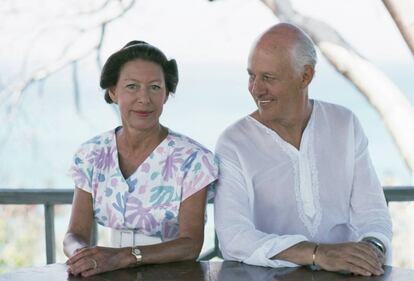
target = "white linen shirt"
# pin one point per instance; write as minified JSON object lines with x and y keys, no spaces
{"x":271,"y":196}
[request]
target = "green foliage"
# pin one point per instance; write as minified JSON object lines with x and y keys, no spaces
{"x":20,"y":232}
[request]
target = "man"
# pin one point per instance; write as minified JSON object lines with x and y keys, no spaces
{"x":296,"y":185}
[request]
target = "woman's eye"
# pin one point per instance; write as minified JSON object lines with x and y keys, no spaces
{"x":155,"y":87}
{"x":131,"y":86}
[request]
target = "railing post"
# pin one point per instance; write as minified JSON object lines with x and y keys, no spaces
{"x":50,"y":233}
{"x":94,"y":234}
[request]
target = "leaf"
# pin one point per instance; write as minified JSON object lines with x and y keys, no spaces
{"x":120,"y":204}
{"x":154,"y":175}
{"x":162,"y":194}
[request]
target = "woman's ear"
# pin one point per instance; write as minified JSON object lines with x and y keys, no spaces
{"x":113,"y":95}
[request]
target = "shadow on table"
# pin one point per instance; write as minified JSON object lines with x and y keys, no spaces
{"x":243,"y":272}
{"x":183,"y":271}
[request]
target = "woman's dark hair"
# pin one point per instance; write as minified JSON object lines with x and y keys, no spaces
{"x":137,"y":50}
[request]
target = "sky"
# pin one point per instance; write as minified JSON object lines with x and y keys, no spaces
{"x":209,"y":40}
{"x":196,"y":30}
{"x":36,"y":33}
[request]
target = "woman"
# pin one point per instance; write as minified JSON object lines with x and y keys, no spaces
{"x":146,"y":182}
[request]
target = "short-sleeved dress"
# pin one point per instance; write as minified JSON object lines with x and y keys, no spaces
{"x":149,"y":200}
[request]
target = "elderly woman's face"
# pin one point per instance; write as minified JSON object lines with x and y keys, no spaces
{"x":140,"y":94}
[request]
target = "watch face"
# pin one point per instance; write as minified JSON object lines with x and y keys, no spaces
{"x":137,"y":254}
{"x":136,"y":251}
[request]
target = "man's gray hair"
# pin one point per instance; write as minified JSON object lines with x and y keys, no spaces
{"x":304,"y":52}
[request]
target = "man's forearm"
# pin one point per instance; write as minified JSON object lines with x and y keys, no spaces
{"x":301,"y":253}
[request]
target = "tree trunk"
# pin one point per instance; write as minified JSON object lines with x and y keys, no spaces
{"x":402,"y":11}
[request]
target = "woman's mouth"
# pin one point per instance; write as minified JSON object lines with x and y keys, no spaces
{"x":142,"y":113}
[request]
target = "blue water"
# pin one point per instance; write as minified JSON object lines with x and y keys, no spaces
{"x":37,"y":146}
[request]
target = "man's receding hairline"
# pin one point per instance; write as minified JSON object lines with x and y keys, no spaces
{"x":286,"y":35}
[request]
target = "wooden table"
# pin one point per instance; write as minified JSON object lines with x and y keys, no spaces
{"x":201,"y":271}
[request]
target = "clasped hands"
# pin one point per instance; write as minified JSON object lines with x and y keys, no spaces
{"x":89,"y":261}
{"x":355,"y":257}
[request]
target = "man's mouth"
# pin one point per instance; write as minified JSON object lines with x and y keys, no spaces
{"x":265,"y":101}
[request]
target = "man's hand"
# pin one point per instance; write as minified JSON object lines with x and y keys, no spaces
{"x":93,"y":260}
{"x":355,"y":257}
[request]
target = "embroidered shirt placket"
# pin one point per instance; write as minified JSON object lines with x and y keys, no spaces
{"x":305,"y":185}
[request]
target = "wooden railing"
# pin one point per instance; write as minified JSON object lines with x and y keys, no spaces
{"x":51,"y":197}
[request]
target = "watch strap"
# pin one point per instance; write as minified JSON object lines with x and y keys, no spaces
{"x":375,"y":242}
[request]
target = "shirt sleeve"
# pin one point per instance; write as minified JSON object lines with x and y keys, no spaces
{"x":239,"y":239}
{"x":81,"y":170}
{"x":201,"y":170}
{"x":369,"y":211}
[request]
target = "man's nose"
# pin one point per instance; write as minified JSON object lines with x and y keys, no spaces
{"x":257,"y":87}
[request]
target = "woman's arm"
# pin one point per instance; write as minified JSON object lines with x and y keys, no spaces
{"x":80,"y":224}
{"x":187,"y":246}
{"x":191,"y":234}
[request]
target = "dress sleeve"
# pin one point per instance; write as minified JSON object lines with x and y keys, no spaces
{"x":201,"y":170}
{"x":238,"y":236}
{"x":81,"y":169}
{"x":369,"y":211}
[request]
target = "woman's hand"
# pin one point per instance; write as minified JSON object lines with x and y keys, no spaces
{"x":93,"y":260}
{"x":355,"y":257}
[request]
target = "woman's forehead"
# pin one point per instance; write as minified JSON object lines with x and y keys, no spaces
{"x":141,"y":67}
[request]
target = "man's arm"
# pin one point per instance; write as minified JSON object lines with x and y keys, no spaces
{"x":354,"y":257}
{"x":238,"y":236}
{"x":369,"y":212}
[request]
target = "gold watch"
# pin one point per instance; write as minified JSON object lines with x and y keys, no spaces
{"x":136,"y":252}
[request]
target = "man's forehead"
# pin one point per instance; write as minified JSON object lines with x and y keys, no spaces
{"x":275,"y":41}
{"x":266,"y":52}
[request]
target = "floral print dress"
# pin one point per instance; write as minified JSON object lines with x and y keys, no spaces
{"x":149,"y":200}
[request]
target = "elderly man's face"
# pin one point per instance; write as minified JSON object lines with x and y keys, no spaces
{"x":275,"y":85}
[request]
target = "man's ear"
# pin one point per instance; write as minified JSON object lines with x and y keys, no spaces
{"x":307,"y":75}
{"x":166,"y":98}
{"x":113,"y":95}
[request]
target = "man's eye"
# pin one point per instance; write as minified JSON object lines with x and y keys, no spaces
{"x":155,"y":87}
{"x":267,"y":78}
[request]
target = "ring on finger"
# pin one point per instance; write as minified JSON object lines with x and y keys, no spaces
{"x":95,"y":264}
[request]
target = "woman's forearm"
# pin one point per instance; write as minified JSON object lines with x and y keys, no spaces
{"x":176,"y":250}
{"x":73,"y":242}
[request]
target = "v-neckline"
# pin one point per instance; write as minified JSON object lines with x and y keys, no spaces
{"x":143,"y":162}
{"x":304,"y":137}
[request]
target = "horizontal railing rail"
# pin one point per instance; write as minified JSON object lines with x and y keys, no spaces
{"x":399,"y":193}
{"x":51,"y":197}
